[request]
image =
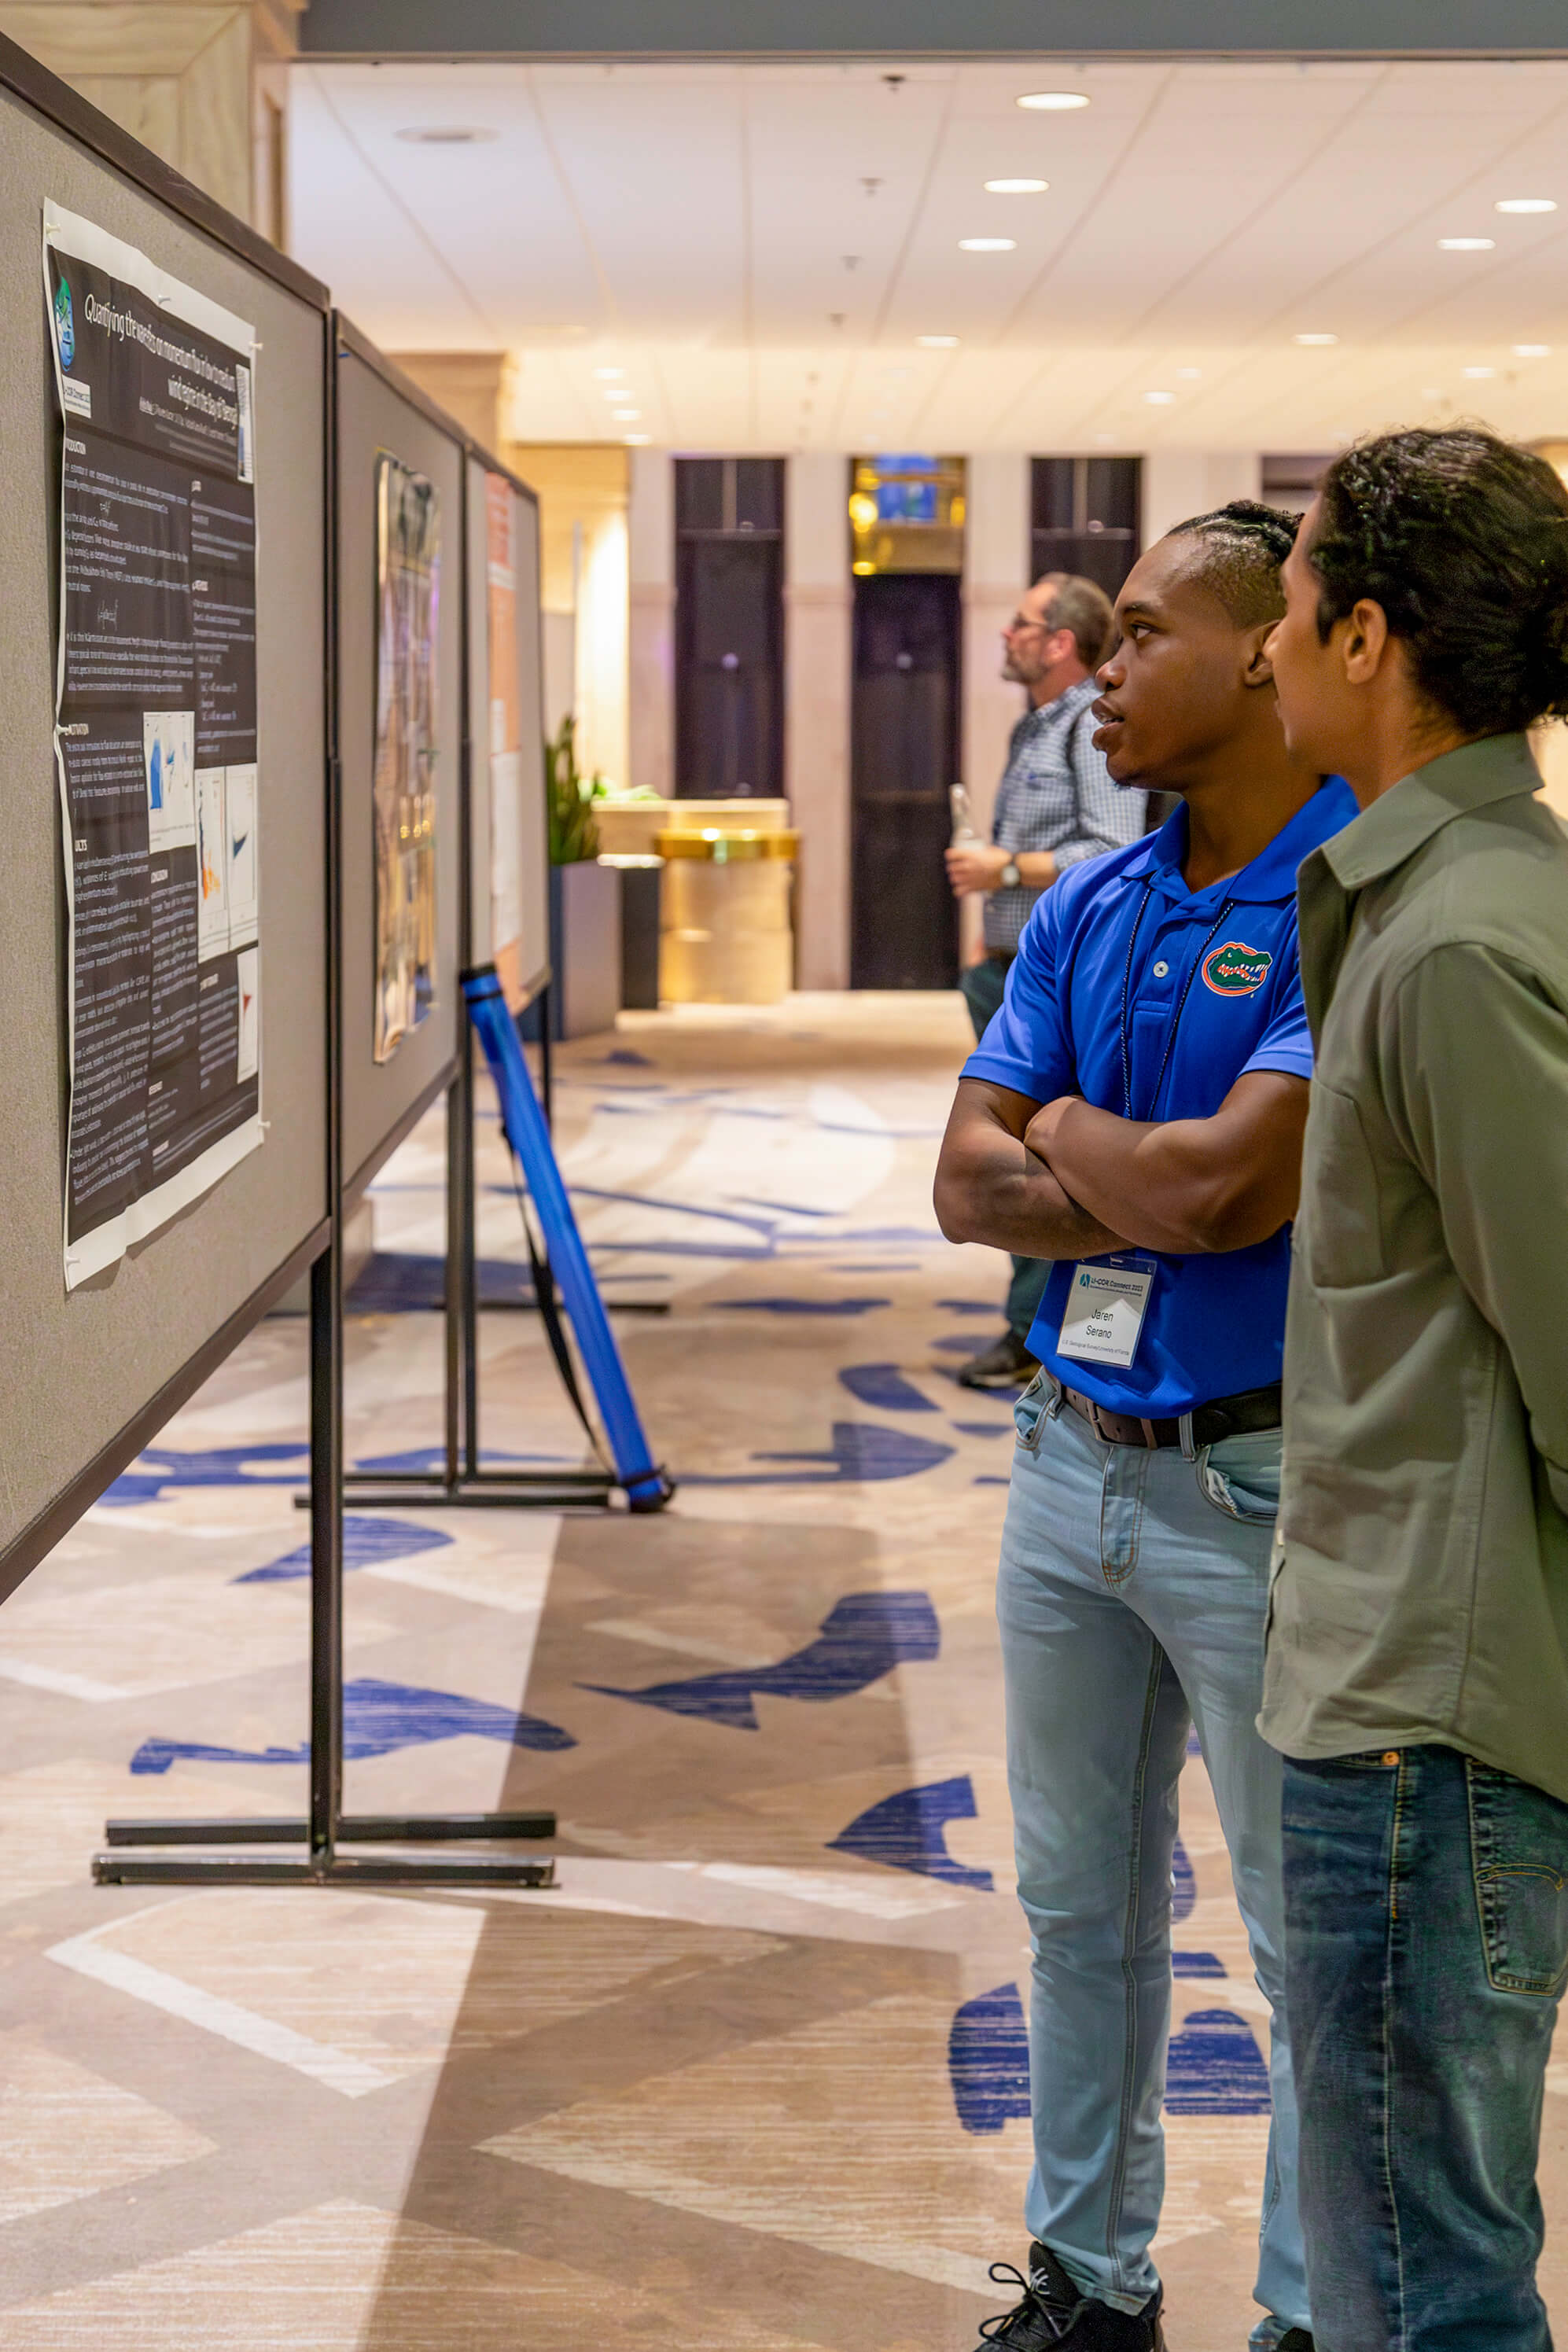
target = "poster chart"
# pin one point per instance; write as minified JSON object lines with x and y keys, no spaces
{"x":408,"y":587}
{"x":154,"y":737}
{"x":506,"y":740}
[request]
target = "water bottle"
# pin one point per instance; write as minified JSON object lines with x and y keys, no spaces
{"x":958,"y":803}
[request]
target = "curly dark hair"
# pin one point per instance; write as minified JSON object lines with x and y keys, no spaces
{"x":1244,"y":545}
{"x":1462,"y":537}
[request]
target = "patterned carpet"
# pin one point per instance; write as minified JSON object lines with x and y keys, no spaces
{"x":751,"y":2078}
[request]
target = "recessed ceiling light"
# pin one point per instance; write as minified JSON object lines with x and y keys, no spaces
{"x":1315,"y":342}
{"x":1016,"y":187}
{"x":604,"y":373}
{"x":987,"y":244}
{"x":1475,"y":373}
{"x":626,"y":415}
{"x":1053,"y":101}
{"x":1159,"y":399}
{"x":1532,"y":351}
{"x":937,"y":342}
{"x":446,"y":134}
{"x":1465,"y":244}
{"x":1190,"y":376}
{"x":1525,"y":205}
{"x":638,"y":440}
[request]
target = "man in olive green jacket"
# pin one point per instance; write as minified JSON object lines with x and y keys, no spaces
{"x":1417,"y":1662}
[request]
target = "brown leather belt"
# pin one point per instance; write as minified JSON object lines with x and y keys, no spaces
{"x":1246,"y":1415}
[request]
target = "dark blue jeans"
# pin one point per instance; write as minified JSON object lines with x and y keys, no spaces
{"x":1426,"y":1949}
{"x":984,"y":986}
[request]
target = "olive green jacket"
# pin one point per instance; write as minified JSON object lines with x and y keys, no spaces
{"x":1420,"y":1587}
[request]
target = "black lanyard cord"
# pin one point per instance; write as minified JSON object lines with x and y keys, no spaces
{"x":1181,"y":1008}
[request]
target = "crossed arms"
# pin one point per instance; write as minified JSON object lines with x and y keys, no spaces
{"x":1067,"y":1181}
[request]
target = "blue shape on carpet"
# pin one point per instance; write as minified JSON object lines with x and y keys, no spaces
{"x":909,"y":1833}
{"x":378,"y":1717}
{"x":407,"y":1282}
{"x":861,"y":1449}
{"x":783,"y":1207}
{"x":1184,"y":1883}
{"x":161,"y":1467}
{"x":970,"y":1305}
{"x":884,"y":1386}
{"x":625,"y":1057}
{"x":803,"y":1306}
{"x":985,"y":1428}
{"x":863,"y":1637}
{"x":430,"y":1461}
{"x":1216,"y":2067}
{"x":988,"y":2060}
{"x":1196,"y":1964}
{"x":365,"y":1542}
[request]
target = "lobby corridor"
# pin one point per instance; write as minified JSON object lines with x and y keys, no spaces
{"x":752,"y":2077}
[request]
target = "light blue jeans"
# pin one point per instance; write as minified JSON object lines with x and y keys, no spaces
{"x":1131,"y":1598}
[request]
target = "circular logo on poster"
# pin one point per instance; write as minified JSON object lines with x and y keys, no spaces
{"x":1236,"y":970}
{"x":65,"y":323}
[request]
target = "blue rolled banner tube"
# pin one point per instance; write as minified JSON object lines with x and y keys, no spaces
{"x":647,"y":1488}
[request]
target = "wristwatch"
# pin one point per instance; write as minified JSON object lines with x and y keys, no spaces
{"x":1009,"y":877}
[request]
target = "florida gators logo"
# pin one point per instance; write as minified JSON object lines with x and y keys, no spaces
{"x":1236,"y":970}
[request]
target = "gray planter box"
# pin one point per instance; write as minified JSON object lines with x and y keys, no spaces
{"x":589,"y":947}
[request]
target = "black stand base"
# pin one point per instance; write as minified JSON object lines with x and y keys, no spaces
{"x":525,"y":1490}
{"x":205,"y":1868}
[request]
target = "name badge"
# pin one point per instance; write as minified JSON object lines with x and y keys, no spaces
{"x":1105,"y":1310}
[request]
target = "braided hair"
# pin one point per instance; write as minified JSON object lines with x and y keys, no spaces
{"x":1462,"y":537}
{"x":1243,"y":546}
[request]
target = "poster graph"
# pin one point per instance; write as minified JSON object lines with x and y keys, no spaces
{"x":408,"y":587}
{"x":155,"y":741}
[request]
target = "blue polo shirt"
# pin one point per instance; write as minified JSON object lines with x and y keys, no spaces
{"x":1150,"y":1000}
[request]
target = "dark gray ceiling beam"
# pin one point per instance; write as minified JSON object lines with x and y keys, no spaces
{"x":602,"y":29}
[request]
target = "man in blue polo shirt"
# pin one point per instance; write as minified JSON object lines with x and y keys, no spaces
{"x":1134,"y":1113}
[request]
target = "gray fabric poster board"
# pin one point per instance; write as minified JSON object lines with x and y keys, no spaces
{"x":508,"y":836}
{"x":82,"y":1370}
{"x":380,"y":415}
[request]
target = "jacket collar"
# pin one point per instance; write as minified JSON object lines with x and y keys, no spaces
{"x":1405,"y":818}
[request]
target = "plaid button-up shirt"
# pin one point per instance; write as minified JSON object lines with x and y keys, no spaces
{"x":1057,"y":795}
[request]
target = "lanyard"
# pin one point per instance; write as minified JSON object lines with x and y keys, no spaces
{"x":1181,"y":1008}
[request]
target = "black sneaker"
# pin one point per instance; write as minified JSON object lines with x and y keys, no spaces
{"x":1296,"y":2339}
{"x":1053,"y":2316}
{"x":1006,"y":1364}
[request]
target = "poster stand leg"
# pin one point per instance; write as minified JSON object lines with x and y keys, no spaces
{"x":186,"y":1857}
{"x":460,"y":1482}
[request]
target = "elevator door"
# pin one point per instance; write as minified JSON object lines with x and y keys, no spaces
{"x":904,"y":929}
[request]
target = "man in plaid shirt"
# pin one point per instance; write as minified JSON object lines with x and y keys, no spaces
{"x":1055,"y":806}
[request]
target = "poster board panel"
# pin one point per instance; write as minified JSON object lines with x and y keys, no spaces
{"x":508,"y":835}
{"x":378,"y":417}
{"x":533,"y":830}
{"x":78,"y":1371}
{"x":480,"y":947}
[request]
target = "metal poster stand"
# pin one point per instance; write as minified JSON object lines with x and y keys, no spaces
{"x":461,"y":1481}
{"x":191,"y":1855}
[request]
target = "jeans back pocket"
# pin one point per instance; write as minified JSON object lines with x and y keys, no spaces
{"x":1519,"y":1856}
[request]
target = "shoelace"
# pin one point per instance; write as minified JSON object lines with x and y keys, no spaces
{"x":1031,"y":2300}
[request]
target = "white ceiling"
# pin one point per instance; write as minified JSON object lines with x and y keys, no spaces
{"x":695,"y":225}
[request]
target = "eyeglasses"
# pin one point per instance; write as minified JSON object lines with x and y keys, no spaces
{"x":1019,"y":626}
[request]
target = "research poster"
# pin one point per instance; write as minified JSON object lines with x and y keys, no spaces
{"x":408,"y":591}
{"x":154,"y":737}
{"x":506,"y":741}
